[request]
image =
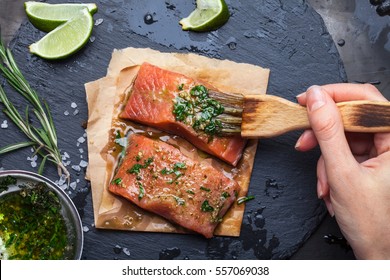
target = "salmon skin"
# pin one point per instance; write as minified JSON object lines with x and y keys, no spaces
{"x":157,"y":177}
{"x":151,"y":102}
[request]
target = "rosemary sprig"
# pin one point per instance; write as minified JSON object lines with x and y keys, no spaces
{"x":43,"y":139}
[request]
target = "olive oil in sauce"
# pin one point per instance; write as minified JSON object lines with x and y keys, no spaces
{"x":32,"y":225}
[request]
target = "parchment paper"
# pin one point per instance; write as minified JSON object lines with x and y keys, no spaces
{"x":104,"y":98}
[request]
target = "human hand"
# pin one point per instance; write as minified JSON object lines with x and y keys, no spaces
{"x":353,"y":171}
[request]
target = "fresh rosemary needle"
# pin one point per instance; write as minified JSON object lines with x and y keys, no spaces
{"x":43,"y":139}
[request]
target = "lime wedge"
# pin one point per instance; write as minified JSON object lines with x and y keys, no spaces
{"x":208,"y":15}
{"x":66,"y":39}
{"x":47,"y":17}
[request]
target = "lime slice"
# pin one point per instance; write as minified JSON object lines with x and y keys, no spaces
{"x":208,"y":15}
{"x":65,"y":39}
{"x":47,"y":17}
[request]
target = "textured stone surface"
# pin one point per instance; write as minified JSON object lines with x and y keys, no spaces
{"x":288,"y":37}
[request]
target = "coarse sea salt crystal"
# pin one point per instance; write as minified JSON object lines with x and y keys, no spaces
{"x":99,"y":21}
{"x":85,"y":228}
{"x":76,"y":168}
{"x":4,"y":125}
{"x":83,"y":163}
{"x":126,"y":251}
{"x":73,"y":185}
{"x":75,"y":112}
{"x":81,"y":140}
{"x":61,"y":182}
{"x":81,"y":150}
{"x":73,"y":105}
{"x":66,"y":113}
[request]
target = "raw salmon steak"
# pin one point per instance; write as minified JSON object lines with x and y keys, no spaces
{"x":157,"y":177}
{"x":151,"y":102}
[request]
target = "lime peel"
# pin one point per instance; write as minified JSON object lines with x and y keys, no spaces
{"x":65,"y":39}
{"x":209,"y":15}
{"x":46,"y":17}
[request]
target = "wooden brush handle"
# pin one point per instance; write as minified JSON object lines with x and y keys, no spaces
{"x":269,"y":116}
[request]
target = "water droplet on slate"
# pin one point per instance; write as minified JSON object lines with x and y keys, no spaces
{"x":117,"y":249}
{"x":341,"y":42}
{"x":148,"y":19}
{"x":169,"y":253}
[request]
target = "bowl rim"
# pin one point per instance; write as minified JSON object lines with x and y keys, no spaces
{"x":28,"y":175}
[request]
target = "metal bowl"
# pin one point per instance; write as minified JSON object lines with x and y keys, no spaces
{"x":69,"y":211}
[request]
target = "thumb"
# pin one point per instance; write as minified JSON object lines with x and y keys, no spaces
{"x":327,"y":125}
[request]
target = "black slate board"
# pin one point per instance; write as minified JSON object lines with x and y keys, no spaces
{"x":288,"y":37}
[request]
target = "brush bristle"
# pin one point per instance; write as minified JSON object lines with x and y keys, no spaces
{"x":233,"y":104}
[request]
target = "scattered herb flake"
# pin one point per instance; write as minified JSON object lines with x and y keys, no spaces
{"x":245,"y":199}
{"x":206,"y":207}
{"x":180,"y":201}
{"x":136,"y":168}
{"x":141,"y":193}
{"x":225,"y":195}
{"x":205,"y":189}
{"x":118,"y":181}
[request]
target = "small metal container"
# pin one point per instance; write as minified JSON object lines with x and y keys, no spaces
{"x":69,"y":211}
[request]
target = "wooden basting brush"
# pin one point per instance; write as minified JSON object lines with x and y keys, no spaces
{"x":264,"y":116}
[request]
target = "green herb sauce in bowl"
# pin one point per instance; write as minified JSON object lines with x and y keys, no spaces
{"x":37,"y":219}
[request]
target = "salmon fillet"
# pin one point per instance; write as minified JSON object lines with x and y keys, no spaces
{"x":157,"y":177}
{"x":151,"y":102}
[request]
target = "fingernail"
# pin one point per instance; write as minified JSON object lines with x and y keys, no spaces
{"x":298,"y":144}
{"x":320,"y":192}
{"x":329,"y":206}
{"x":315,"y":98}
{"x":300,"y":95}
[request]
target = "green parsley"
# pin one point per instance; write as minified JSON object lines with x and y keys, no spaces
{"x":117,"y":181}
{"x":136,"y":168}
{"x":245,"y":199}
{"x":141,"y":193}
{"x":7,"y":181}
{"x":197,"y":109}
{"x":206,"y":207}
